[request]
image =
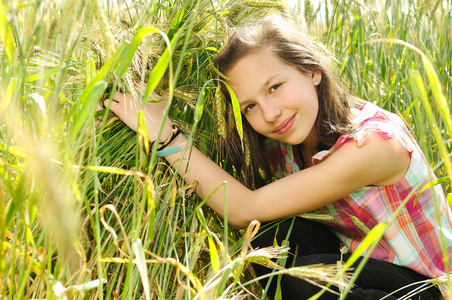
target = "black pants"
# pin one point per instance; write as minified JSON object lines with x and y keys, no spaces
{"x":314,"y":243}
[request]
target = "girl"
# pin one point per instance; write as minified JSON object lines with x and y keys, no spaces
{"x":332,"y":155}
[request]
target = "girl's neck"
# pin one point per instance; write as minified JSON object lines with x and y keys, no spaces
{"x":309,"y":148}
{"x":306,"y":154}
{"x":303,"y":155}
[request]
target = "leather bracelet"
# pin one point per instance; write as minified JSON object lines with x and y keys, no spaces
{"x":174,"y":133}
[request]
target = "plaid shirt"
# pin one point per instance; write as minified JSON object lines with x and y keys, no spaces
{"x":413,"y":238}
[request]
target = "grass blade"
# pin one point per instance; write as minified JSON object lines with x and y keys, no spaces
{"x":140,"y":262}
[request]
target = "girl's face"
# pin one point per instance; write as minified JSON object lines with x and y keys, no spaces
{"x":279,"y":101}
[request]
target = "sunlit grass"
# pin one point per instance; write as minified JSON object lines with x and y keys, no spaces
{"x":90,"y":212}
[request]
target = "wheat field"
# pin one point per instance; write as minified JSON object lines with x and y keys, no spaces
{"x":87,"y":209}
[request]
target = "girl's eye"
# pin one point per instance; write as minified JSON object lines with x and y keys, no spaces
{"x":275,"y":87}
{"x":249,"y":107}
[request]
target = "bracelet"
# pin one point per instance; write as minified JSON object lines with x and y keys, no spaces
{"x":171,"y":150}
{"x":174,"y":133}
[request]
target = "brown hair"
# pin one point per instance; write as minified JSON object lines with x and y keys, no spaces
{"x":295,"y":47}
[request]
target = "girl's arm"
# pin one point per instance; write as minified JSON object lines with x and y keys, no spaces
{"x":376,"y":162}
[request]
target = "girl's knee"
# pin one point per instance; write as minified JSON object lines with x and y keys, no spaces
{"x":318,"y":258}
{"x":304,"y":236}
{"x":296,"y":288}
{"x":369,"y":294}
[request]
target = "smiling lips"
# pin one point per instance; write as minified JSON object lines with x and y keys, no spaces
{"x":285,"y":126}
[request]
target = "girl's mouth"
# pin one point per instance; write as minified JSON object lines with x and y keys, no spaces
{"x":284,"y":127}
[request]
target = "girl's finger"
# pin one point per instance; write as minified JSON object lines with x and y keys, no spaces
{"x":114,"y":106}
{"x":106,"y":103}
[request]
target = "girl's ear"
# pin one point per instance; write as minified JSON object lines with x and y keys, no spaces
{"x":316,"y":77}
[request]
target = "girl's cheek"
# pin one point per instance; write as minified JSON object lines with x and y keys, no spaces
{"x":254,"y":122}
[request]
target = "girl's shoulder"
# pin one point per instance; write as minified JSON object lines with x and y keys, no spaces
{"x":371,"y":118}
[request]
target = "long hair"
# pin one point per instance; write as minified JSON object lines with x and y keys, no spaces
{"x":295,"y":47}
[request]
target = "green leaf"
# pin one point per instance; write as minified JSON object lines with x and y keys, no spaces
{"x":215,"y":260}
{"x":6,"y":34}
{"x":432,"y":184}
{"x":416,"y":78}
{"x":42,"y":75}
{"x":199,"y":106}
{"x":142,"y":132}
{"x":438,"y":95}
{"x":162,"y":64}
{"x":90,"y":96}
{"x":11,"y":209}
{"x":176,"y":22}
{"x":8,"y":94}
{"x":236,"y":109}
{"x":140,"y":261}
{"x":372,"y":237}
{"x":200,"y":102}
{"x":88,"y":102}
{"x":282,"y":262}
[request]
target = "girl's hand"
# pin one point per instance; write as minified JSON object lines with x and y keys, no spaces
{"x":126,"y":107}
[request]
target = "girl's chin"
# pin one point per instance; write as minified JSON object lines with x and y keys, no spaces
{"x":289,"y":141}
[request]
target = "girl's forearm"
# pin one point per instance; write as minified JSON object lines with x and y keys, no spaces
{"x":195,"y":166}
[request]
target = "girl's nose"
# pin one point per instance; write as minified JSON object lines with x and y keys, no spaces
{"x":270,"y":111}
